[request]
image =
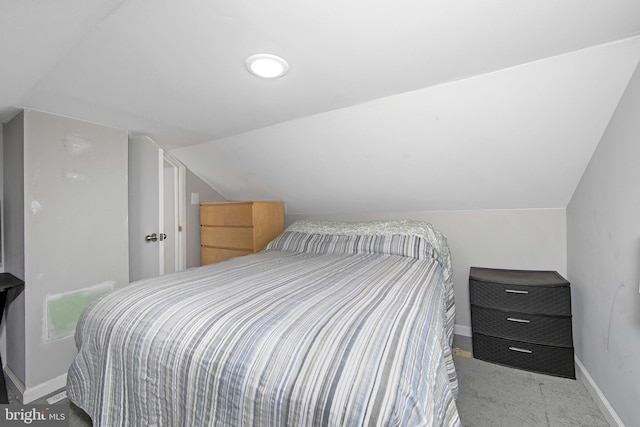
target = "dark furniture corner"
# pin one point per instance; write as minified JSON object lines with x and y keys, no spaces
{"x":7,"y":282}
{"x":522,"y":319}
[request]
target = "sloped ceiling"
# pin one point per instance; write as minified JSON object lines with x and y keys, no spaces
{"x":411,"y":103}
{"x":515,"y":138}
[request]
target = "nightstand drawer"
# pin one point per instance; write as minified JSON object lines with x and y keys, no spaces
{"x":522,"y":299}
{"x":531,"y":357}
{"x":520,"y":326}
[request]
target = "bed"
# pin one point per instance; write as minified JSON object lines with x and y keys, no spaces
{"x":332,"y":324}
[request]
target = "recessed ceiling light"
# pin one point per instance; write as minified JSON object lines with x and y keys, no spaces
{"x":267,"y":66}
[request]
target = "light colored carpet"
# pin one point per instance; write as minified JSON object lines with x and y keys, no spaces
{"x":490,"y":396}
{"x":496,"y":396}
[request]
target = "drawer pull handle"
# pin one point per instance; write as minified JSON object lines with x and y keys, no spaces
{"x":513,"y":319}
{"x":520,"y":350}
{"x":513,"y":291}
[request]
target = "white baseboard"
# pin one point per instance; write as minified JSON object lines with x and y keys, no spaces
{"x":36,"y":392}
{"x":598,"y":396}
{"x":462,"y":330}
{"x":14,"y":379}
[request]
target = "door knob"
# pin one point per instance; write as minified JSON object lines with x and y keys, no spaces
{"x":151,"y":237}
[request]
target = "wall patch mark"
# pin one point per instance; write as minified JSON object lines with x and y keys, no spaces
{"x":64,"y":310}
{"x":36,"y":207}
{"x":73,"y":175}
{"x":76,"y":144}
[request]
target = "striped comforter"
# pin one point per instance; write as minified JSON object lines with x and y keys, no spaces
{"x":296,"y":335}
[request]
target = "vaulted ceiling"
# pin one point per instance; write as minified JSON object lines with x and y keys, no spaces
{"x":395,"y":105}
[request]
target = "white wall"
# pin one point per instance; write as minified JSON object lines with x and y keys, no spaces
{"x":1,"y":198}
{"x":13,"y":212}
{"x":3,"y":341}
{"x":517,"y":239}
{"x":603,"y":225}
{"x":75,"y":237}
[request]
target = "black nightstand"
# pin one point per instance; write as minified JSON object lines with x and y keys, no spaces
{"x":522,"y":319}
{"x":7,"y":282}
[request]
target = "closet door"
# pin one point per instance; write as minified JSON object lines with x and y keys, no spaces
{"x":146,"y":251}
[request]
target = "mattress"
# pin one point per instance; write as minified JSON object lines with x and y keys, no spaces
{"x":316,"y":330}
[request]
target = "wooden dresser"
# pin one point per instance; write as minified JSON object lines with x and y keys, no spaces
{"x":234,"y":228}
{"x":522,"y":318}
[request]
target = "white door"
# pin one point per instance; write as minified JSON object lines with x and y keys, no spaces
{"x":145,"y":209}
{"x":157,"y":240}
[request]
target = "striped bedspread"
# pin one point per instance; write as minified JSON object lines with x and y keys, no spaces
{"x":279,"y":338}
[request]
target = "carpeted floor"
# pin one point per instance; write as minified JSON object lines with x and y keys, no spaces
{"x":497,"y":396}
{"x":490,"y":396}
{"x":494,"y":396}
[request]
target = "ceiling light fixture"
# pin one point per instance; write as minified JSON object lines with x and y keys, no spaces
{"x":267,"y":66}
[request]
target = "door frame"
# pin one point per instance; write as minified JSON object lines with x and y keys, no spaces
{"x":180,"y":210}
